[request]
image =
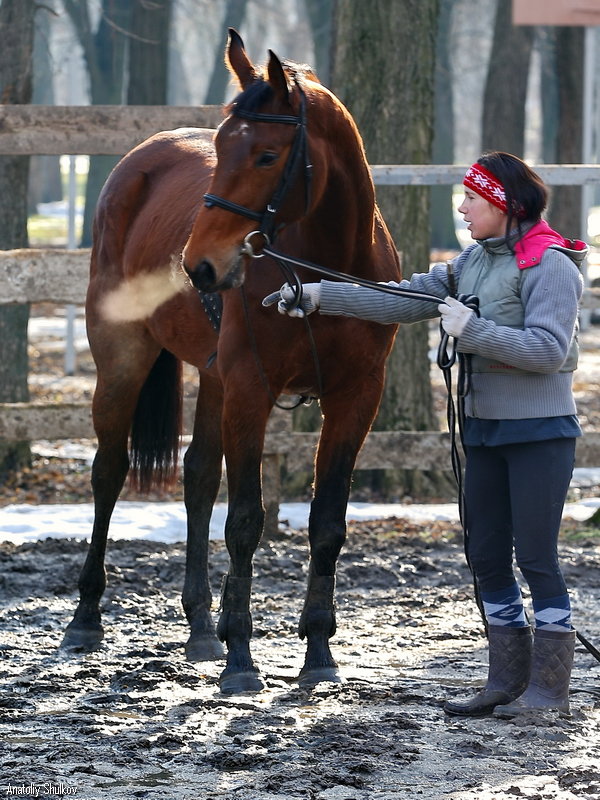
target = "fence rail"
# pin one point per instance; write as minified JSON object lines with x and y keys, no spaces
{"x":60,"y":276}
{"x":425,"y":450}
{"x":93,"y":130}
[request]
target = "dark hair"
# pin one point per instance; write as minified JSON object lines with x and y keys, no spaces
{"x":526,"y":193}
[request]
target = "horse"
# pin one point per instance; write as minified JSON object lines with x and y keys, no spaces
{"x":175,"y":277}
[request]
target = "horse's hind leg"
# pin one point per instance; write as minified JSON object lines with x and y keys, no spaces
{"x":114,"y":404}
{"x":202,"y":476}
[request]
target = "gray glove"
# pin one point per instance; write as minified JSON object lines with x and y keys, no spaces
{"x":311,"y":299}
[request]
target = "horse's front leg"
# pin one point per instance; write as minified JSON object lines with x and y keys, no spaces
{"x":202,"y":476}
{"x":243,"y":441}
{"x":341,"y":438}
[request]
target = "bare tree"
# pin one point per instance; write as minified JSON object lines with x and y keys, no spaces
{"x":219,"y":80}
{"x":565,"y":207}
{"x":45,"y":184}
{"x":16,"y":66}
{"x":149,"y":52}
{"x":320,"y":16}
{"x":503,"y":125}
{"x":105,"y":52}
{"x":443,"y":233}
{"x":383,"y":70}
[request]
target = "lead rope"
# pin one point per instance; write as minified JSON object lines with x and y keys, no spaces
{"x":455,"y":417}
{"x":445,"y":362}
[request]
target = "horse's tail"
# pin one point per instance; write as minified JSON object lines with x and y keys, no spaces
{"x":156,"y":427}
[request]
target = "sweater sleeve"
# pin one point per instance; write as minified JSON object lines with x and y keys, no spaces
{"x":351,"y":300}
{"x":550,"y":293}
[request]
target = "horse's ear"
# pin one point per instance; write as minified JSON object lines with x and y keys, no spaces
{"x":238,"y":61}
{"x":277,"y":77}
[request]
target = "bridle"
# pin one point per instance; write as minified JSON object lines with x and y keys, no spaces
{"x":268,"y":227}
{"x":298,"y":154}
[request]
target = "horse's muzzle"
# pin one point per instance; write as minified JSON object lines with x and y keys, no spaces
{"x":204,"y":276}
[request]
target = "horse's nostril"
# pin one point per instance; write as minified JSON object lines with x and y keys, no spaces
{"x":203,"y":276}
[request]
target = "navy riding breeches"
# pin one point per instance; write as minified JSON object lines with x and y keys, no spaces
{"x":514,"y":498}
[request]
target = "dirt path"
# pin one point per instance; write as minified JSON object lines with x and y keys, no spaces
{"x":135,"y":720}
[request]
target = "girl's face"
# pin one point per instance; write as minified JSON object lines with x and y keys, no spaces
{"x":484,"y":220}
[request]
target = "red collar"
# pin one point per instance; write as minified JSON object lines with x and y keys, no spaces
{"x":532,"y":246}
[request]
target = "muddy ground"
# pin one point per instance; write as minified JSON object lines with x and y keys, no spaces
{"x":135,"y":720}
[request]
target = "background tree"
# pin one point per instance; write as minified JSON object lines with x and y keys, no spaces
{"x":565,"y":207}
{"x":105,"y":53}
{"x":443,"y":233}
{"x":16,"y":66}
{"x":149,"y":52}
{"x":45,"y":184}
{"x":320,"y":16}
{"x":235,"y":13}
{"x":546,"y":43}
{"x":503,"y":124}
{"x":383,"y":70}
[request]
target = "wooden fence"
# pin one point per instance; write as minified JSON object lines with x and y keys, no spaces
{"x":60,"y":276}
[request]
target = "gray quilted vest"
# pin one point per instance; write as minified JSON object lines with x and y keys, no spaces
{"x":498,"y":288}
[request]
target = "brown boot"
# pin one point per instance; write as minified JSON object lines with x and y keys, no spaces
{"x":508,"y":672}
{"x":550,"y":675}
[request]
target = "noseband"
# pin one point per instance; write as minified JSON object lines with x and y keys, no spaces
{"x":298,"y":153}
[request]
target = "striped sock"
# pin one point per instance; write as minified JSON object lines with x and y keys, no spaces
{"x":505,"y":607}
{"x":553,"y":613}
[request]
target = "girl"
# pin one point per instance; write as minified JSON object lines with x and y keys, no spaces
{"x":521,"y":425}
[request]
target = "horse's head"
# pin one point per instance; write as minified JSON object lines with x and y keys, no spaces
{"x":262,"y":177}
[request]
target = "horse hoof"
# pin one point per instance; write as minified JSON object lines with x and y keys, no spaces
{"x":204,"y":648}
{"x":310,"y":677}
{"x":82,"y":639}
{"x":240,"y":682}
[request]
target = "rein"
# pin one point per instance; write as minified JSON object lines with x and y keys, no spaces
{"x":447,"y":357}
{"x":268,"y":230}
{"x":454,"y":413}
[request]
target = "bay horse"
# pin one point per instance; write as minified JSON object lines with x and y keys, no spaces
{"x":287,"y":161}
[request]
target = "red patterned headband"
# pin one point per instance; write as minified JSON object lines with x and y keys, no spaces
{"x":482,"y":181}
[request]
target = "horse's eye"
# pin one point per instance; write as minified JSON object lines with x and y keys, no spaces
{"x":266,"y":159}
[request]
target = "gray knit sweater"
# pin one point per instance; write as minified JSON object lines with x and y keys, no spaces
{"x":550,"y":294}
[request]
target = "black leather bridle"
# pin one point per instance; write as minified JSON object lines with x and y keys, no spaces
{"x":298,"y":155}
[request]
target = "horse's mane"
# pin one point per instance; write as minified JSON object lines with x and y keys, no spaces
{"x":259,"y":92}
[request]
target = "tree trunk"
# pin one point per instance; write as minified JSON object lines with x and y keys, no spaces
{"x":105,"y":52}
{"x":443,"y":230}
{"x":16,"y":64}
{"x":45,"y":184}
{"x":565,"y":207}
{"x":549,"y":94}
{"x":220,"y":77}
{"x":320,"y":16}
{"x":149,"y":53}
{"x":383,"y":70}
{"x":503,"y":126}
